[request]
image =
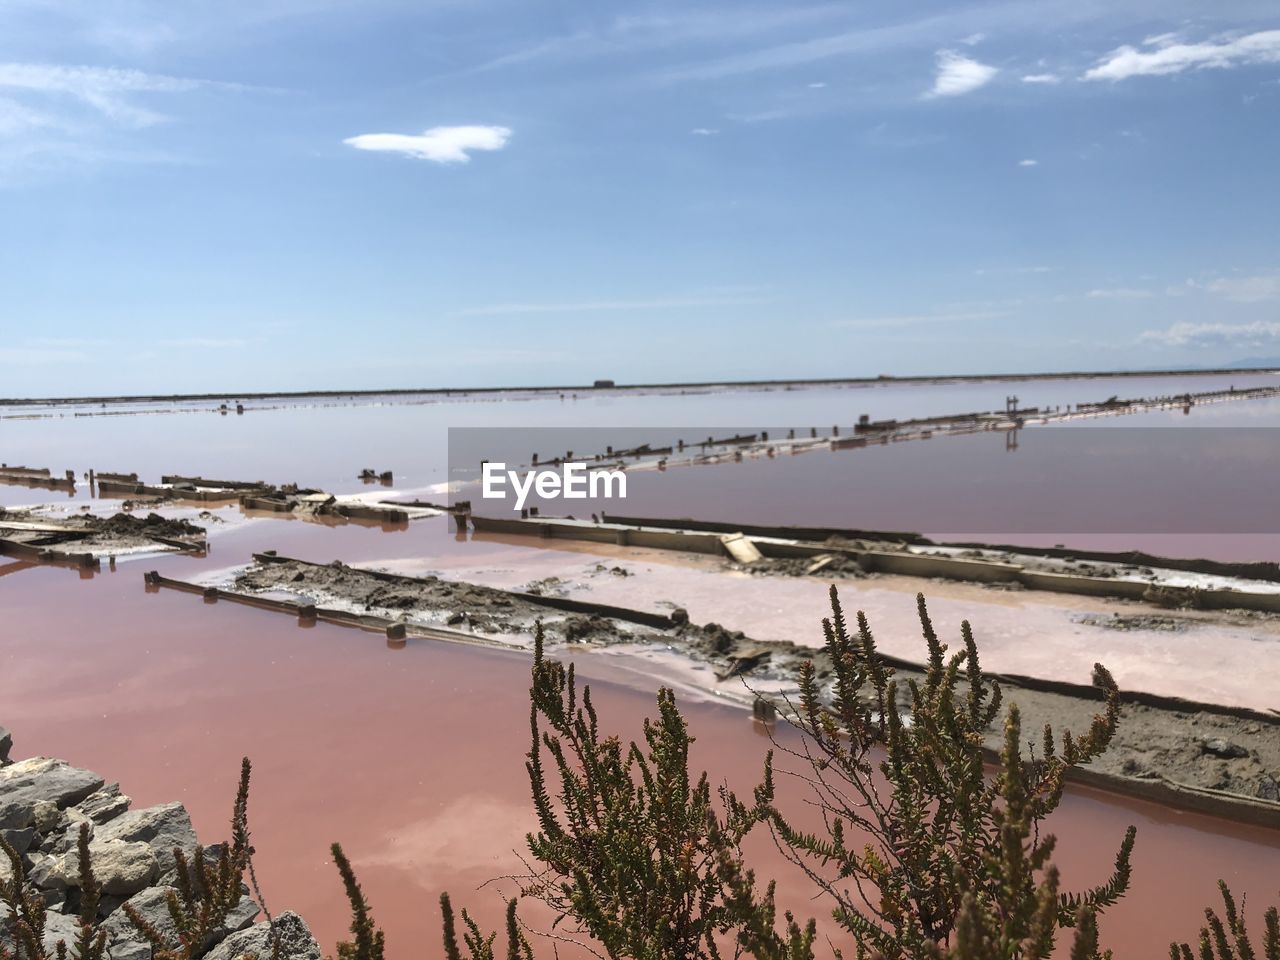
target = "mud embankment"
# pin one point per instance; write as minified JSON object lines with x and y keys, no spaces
{"x":1221,"y":760}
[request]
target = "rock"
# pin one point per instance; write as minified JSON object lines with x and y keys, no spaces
{"x":153,"y":905}
{"x":1268,"y":789}
{"x":1221,"y":747}
{"x":63,"y":840}
{"x":20,"y":840}
{"x":6,"y":744}
{"x":129,"y":950}
{"x":121,"y":867}
{"x":296,"y":941}
{"x":162,"y":828}
{"x":45,"y":873}
{"x":105,"y":804}
{"x":45,"y":816}
{"x":58,"y":926}
{"x":24,"y":783}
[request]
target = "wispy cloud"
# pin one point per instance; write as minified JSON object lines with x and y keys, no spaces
{"x":1258,"y":334}
{"x":439,"y":144}
{"x":1028,"y":163}
{"x":1119,"y":293}
{"x":597,"y":306}
{"x":704,"y":131}
{"x":1253,"y":289}
{"x":958,"y":74}
{"x":15,"y":118}
{"x":1164,"y":55}
{"x":107,"y":90}
{"x":1047,"y":79}
{"x":1035,"y":268}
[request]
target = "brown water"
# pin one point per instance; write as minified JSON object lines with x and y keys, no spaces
{"x":413,"y":758}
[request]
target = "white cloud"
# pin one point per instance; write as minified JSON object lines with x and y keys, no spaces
{"x":1247,"y":289}
{"x":1168,"y":57}
{"x":958,"y":74}
{"x":1042,"y":78}
{"x":1257,"y":334}
{"x":104,"y":89}
{"x":16,"y":118}
{"x":439,"y":144}
{"x":1038,"y":268}
{"x":1028,"y":163}
{"x":973,"y":39}
{"x":817,"y":86}
{"x":1119,"y":293}
{"x":704,"y":131}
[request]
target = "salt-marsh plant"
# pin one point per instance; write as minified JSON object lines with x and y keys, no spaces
{"x":923,"y":853}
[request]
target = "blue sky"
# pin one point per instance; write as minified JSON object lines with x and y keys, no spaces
{"x":201,"y":195}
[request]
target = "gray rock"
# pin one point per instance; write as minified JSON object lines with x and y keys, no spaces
{"x":121,"y":867}
{"x":1268,"y":788}
{"x":24,"y":783}
{"x":45,"y":873}
{"x":1221,"y":747}
{"x":152,"y":904}
{"x":45,"y":815}
{"x":163,"y":828}
{"x":65,"y":839}
{"x":6,"y":744}
{"x":20,"y":840}
{"x":296,"y":941}
{"x":106,"y":804}
{"x":129,"y":950}
{"x":58,"y":926}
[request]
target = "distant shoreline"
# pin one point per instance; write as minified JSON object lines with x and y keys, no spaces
{"x":589,"y":388}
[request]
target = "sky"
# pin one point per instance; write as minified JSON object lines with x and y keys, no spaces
{"x":239,"y":195}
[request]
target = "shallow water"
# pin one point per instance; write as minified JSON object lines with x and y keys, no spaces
{"x":413,"y":758}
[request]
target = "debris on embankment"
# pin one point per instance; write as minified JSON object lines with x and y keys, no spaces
{"x":86,"y":538}
{"x":1221,"y":760}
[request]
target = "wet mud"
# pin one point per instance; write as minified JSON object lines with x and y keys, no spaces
{"x":1234,"y":753}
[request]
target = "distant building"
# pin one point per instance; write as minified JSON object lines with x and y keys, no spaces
{"x":602,"y":384}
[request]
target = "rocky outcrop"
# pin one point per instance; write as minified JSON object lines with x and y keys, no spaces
{"x":44,"y":804}
{"x":41,"y":780}
{"x":162,"y":828}
{"x":296,"y":941}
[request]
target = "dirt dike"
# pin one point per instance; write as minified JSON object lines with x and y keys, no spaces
{"x":33,"y":535}
{"x":1219,"y":755}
